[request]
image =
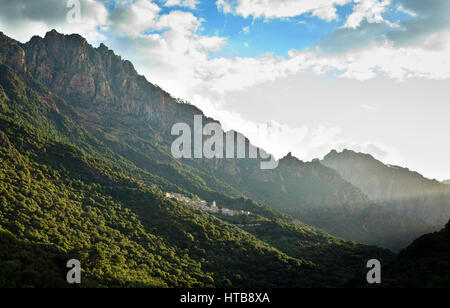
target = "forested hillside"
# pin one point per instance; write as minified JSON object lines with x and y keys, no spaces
{"x":58,"y":203}
{"x":132,"y":119}
{"x":69,"y":191}
{"x":423,"y":264}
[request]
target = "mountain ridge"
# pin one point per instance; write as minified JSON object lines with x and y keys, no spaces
{"x":396,"y":188}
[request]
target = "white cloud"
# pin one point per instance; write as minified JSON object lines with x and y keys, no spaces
{"x":222,"y":75}
{"x":398,"y":63}
{"x":135,"y":18}
{"x":400,"y":8}
{"x":184,"y":3}
{"x":173,"y":57}
{"x":326,"y":12}
{"x":324,"y":9}
{"x":21,"y":19}
{"x":370,"y":10}
{"x":224,"y":6}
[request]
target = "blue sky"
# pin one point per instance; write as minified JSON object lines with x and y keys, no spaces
{"x":300,"y":76}
{"x":276,"y":36}
{"x":250,"y":37}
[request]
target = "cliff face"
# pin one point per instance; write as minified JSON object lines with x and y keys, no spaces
{"x":398,"y":189}
{"x":93,"y":78}
{"x":11,"y":53}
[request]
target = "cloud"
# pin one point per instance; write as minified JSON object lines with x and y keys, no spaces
{"x":400,"y":8}
{"x":326,"y":12}
{"x":135,"y":18}
{"x":398,"y":63}
{"x":370,"y":10}
{"x":424,"y":19}
{"x":428,"y":17}
{"x":224,"y":6}
{"x":183,"y":3}
{"x":222,"y":75}
{"x":324,"y":9}
{"x":22,"y":19}
{"x":167,"y":48}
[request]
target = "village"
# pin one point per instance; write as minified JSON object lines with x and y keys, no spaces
{"x":203,"y":205}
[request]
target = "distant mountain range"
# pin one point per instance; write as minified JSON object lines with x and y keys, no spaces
{"x":395,"y":188}
{"x":85,"y":154}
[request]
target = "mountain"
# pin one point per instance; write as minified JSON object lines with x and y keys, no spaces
{"x":85,"y":164}
{"x":133,"y":118}
{"x":395,"y":188}
{"x":446,"y":182}
{"x":319,"y":196}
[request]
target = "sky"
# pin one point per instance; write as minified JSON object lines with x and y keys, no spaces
{"x":300,"y":76}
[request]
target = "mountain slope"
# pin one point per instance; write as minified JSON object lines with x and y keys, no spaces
{"x":398,"y":189}
{"x":124,"y":234}
{"x":66,"y":191}
{"x":317,"y":195}
{"x":133,"y":119}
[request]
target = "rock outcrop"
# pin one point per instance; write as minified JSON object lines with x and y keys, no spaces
{"x":11,"y":53}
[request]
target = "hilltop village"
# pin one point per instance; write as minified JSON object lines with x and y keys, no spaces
{"x":203,"y":205}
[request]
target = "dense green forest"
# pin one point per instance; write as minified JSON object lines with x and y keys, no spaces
{"x":423,"y":264}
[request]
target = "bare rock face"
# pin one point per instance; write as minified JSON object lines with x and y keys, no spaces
{"x":93,"y":78}
{"x":96,"y":78}
{"x":12,"y":53}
